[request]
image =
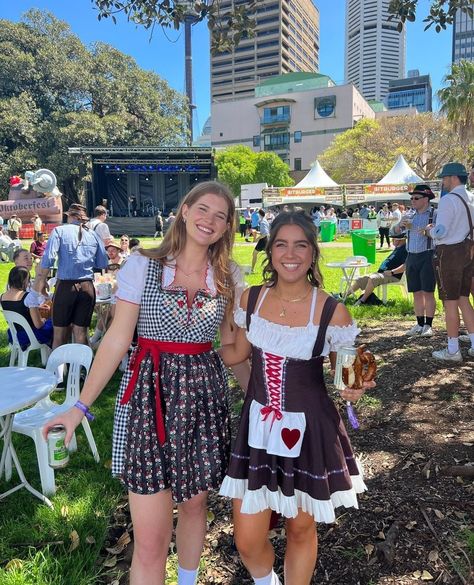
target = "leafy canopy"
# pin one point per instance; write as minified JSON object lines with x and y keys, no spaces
{"x":55,"y":92}
{"x":229,"y":24}
{"x":457,"y":100}
{"x":369,"y":150}
{"x":240,"y":165}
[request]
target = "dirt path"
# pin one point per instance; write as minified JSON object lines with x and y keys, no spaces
{"x":413,"y":520}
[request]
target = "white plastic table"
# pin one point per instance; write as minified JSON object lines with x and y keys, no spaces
{"x":348,"y":271}
{"x":21,"y":387}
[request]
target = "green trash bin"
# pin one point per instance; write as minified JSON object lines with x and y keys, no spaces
{"x":328,"y":231}
{"x":364,"y":244}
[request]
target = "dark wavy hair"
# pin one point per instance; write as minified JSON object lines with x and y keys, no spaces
{"x":302,"y":220}
{"x":18,"y":278}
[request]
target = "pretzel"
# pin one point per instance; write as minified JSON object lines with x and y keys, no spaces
{"x":362,"y":370}
{"x":45,"y":309}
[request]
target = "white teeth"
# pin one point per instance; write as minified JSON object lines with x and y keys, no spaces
{"x":291,"y":266}
{"x":205,"y":230}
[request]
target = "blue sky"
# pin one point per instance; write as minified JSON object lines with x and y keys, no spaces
{"x":164,"y":53}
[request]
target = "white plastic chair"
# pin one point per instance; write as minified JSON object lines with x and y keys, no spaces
{"x":402,"y":282}
{"x":31,"y":421}
{"x":18,"y":356}
{"x":362,"y":271}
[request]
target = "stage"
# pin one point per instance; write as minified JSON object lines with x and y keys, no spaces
{"x":137,"y":181}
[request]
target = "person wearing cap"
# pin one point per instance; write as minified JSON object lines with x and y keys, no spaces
{"x":453,"y":232}
{"x":14,"y":225}
{"x":78,"y":251}
{"x":419,"y":264}
{"x":98,"y":224}
{"x":390,"y":270}
{"x":37,"y":225}
{"x":114,"y":250}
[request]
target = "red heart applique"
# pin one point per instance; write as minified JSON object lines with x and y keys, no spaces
{"x":290,"y":437}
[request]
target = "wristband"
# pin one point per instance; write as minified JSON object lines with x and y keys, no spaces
{"x":85,"y":410}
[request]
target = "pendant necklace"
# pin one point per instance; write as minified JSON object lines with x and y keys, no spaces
{"x":192,"y":271}
{"x":297,"y":300}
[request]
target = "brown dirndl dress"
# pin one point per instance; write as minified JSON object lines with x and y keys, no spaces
{"x":305,"y":460}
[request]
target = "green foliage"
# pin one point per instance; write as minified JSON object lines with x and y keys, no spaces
{"x":369,"y":150}
{"x":227,"y":26}
{"x":55,"y":92}
{"x":441,"y":12}
{"x":457,"y":100}
{"x":240,"y":165}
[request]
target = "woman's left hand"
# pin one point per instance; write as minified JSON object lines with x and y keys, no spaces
{"x":353,"y":394}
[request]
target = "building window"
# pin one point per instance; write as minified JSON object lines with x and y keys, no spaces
{"x":277,"y":141}
{"x":324,"y":107}
{"x":297,"y":164}
{"x":278,"y":114}
{"x":256,"y":140}
{"x":298,"y":136}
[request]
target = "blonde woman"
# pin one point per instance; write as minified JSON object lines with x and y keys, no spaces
{"x":171,"y":435}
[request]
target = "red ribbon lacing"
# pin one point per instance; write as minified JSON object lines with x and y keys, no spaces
{"x":155,"y":349}
{"x":273,"y":365}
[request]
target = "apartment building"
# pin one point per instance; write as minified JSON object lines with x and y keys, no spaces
{"x":296,"y":115}
{"x":286,"y":39}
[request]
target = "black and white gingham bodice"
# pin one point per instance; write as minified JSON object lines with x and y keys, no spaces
{"x":165,"y":315}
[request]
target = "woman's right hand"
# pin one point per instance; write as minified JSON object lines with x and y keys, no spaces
{"x":70,"y":421}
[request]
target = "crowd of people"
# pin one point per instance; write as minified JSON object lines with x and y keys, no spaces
{"x":171,"y":438}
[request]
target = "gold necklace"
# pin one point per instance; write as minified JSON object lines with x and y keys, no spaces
{"x":297,"y":300}
{"x":192,"y":272}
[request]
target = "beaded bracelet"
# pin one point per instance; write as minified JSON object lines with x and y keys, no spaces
{"x":85,"y":409}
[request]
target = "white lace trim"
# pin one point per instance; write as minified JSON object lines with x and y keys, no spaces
{"x":254,"y":501}
{"x":294,"y":342}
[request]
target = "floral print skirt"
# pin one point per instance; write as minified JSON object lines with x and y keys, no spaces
{"x":194,"y":400}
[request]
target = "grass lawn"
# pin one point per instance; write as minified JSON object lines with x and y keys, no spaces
{"x":35,"y":544}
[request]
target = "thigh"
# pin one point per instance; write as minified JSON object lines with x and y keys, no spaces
{"x":301,"y":525}
{"x":152,"y":516}
{"x":63,"y":303}
{"x":378,"y":278}
{"x":250,"y":530}
{"x":427,"y":274}
{"x":413,"y":273}
{"x":84,"y":305}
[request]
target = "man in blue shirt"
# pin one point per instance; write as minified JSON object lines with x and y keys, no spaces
{"x":419,"y":265}
{"x":78,"y":251}
{"x":390,"y":270}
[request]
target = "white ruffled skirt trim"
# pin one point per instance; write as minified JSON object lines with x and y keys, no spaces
{"x":254,"y":501}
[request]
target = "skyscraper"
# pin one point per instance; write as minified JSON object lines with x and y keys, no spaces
{"x":463,"y":36}
{"x":375,"y":50}
{"x":286,"y":39}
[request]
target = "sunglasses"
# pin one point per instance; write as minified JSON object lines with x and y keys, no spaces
{"x":418,"y":198}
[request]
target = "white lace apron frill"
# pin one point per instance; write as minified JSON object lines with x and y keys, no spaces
{"x":255,"y":501}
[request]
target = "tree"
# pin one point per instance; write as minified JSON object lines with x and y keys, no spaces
{"x":272,"y":170}
{"x":369,"y":150}
{"x":55,"y":92}
{"x":441,"y":12}
{"x":457,"y":100}
{"x":240,"y":165}
{"x":229,"y":25}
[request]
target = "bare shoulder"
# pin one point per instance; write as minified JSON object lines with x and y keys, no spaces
{"x":244,"y":299}
{"x":341,"y":316}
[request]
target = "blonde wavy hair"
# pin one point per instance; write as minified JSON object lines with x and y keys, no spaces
{"x":219,"y":252}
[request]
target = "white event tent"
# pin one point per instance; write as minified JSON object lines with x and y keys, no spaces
{"x":396,"y":183}
{"x":313,"y":188}
{"x":317,"y":177}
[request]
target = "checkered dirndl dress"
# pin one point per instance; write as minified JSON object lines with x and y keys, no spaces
{"x":194,"y":398}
